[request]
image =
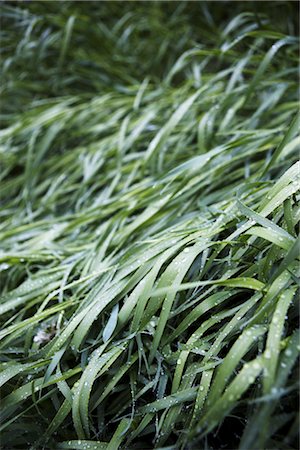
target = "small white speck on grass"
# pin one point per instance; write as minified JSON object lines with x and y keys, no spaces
{"x":268,"y":354}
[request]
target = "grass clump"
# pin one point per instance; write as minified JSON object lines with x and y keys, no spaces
{"x":149,"y":242}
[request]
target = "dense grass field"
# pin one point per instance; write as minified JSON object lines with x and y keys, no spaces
{"x":149,"y":211}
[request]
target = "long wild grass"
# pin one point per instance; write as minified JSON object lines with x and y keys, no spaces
{"x":149,"y":225}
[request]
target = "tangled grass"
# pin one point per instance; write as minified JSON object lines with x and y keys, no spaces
{"x":149,"y":251}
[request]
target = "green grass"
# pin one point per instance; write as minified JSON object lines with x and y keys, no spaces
{"x":149,"y":225}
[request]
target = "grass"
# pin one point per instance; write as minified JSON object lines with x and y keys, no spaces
{"x":149,"y":225}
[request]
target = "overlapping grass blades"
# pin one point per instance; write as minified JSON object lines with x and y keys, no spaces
{"x":149,"y":221}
